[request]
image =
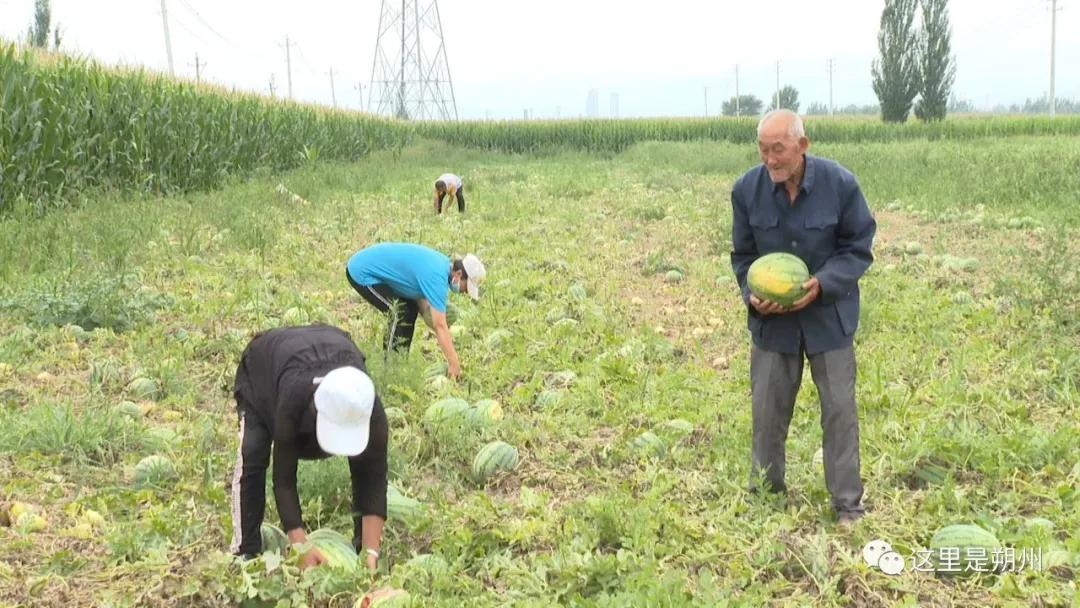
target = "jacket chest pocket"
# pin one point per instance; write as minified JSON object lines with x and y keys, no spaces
{"x":766,"y":230}
{"x":820,"y":233}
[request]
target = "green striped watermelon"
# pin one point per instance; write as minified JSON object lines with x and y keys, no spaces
{"x":548,"y":398}
{"x":485,"y":412}
{"x":273,"y":538}
{"x":952,"y":549}
{"x":154,"y":469}
{"x":492,"y":458}
{"x":649,"y":444}
{"x":144,"y":388}
{"x":400,"y":506}
{"x":335,"y":548}
{"x":445,"y":410}
{"x":497,"y":338}
{"x":435,"y":370}
{"x":778,"y":277}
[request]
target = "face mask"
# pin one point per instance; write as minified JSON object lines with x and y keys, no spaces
{"x":454,"y":287}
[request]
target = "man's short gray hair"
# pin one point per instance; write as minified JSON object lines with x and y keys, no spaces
{"x":795,"y":126}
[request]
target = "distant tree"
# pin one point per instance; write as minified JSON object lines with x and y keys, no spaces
{"x":748,"y":106}
{"x":38,"y":35}
{"x":857,"y":109}
{"x":896,"y":72}
{"x":937,"y":67}
{"x":817,"y":108}
{"x":1041,"y":105}
{"x":56,"y":37}
{"x":960,"y":105}
{"x":789,"y":99}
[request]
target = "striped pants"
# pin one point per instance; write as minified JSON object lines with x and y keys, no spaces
{"x":249,"y":485}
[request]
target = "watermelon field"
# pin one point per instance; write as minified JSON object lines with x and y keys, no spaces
{"x":596,"y":450}
{"x":124,"y":318}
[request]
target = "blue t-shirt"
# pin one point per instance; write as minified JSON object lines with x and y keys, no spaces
{"x":411,"y":271}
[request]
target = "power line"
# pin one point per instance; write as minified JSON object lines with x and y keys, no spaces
{"x":303,"y":59}
{"x":204,"y":22}
{"x":187,"y":29}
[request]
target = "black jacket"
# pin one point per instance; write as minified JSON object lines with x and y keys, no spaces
{"x":274,"y":383}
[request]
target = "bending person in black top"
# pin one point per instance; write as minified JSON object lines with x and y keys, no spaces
{"x":304,"y":393}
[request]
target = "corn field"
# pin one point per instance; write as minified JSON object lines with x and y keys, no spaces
{"x":613,"y":135}
{"x":68,"y":125}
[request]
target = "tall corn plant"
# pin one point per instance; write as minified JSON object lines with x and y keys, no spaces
{"x":607,"y":135}
{"x":68,"y":125}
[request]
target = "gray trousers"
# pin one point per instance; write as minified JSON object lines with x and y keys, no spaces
{"x":774,"y":382}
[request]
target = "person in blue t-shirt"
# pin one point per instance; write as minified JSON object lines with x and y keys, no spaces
{"x":405,"y":279}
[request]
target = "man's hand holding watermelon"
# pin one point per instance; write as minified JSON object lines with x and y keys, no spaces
{"x":766,"y":307}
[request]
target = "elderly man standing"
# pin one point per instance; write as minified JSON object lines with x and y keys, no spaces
{"x":813,"y":208}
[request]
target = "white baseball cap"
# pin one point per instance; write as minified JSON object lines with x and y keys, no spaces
{"x":474,"y":269}
{"x":344,"y":401}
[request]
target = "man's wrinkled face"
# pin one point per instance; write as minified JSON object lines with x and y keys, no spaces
{"x":780,"y":152}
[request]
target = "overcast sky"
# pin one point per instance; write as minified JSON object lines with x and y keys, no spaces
{"x":508,"y":55}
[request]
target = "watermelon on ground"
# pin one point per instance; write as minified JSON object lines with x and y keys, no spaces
{"x":154,"y":469}
{"x":273,"y":538}
{"x":492,"y":458}
{"x":485,"y":412}
{"x":400,"y":506}
{"x":446,"y":410}
{"x":649,"y":444}
{"x":963,"y":548}
{"x":548,"y":398}
{"x":144,"y":388}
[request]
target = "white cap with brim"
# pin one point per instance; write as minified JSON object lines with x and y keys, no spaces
{"x":344,"y":401}
{"x":474,"y":269}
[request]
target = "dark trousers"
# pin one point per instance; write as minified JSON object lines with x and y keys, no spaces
{"x":460,"y":201}
{"x":402,"y":313}
{"x":774,"y":380}
{"x":249,"y":485}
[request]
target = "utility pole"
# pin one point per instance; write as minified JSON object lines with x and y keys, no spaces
{"x":333,"y":93}
{"x":288,"y":64}
{"x":271,"y":85}
{"x":736,"y":90}
{"x":830,"y":86}
{"x":198,"y":66}
{"x":168,"y":43}
{"x":360,"y":87}
{"x":776,"y":106}
{"x":1053,"y":41}
{"x":706,"y":102}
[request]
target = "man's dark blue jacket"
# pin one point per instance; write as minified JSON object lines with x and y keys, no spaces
{"x":829,"y":226}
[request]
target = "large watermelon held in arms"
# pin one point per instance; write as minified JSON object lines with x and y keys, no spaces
{"x":778,"y":277}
